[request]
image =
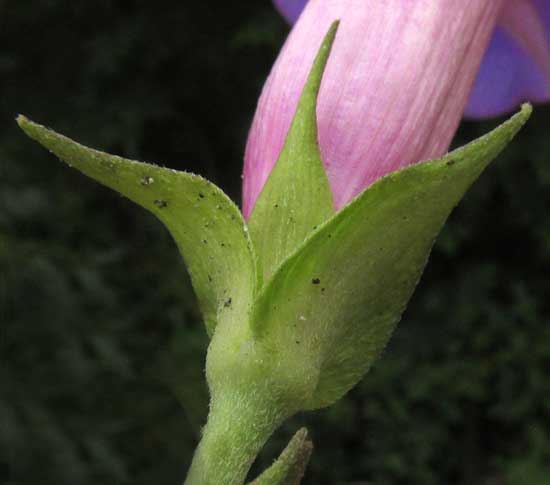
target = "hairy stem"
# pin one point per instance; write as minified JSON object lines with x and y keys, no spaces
{"x":237,"y":428}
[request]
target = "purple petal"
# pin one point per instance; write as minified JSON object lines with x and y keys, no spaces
{"x":507,"y":77}
{"x":290,"y":9}
{"x":543,"y":9}
{"x":516,"y":66}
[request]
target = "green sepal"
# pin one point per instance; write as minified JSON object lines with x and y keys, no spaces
{"x":296,"y":197}
{"x":207,"y":226}
{"x":334,"y":303}
{"x":290,"y":467}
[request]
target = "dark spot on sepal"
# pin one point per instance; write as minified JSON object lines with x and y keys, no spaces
{"x":161,"y":204}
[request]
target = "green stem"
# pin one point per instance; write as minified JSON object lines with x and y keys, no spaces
{"x":236,"y":430}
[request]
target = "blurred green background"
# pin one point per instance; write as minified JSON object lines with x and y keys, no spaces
{"x":101,"y":344}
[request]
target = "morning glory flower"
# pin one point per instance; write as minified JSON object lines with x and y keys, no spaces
{"x":516,"y":66}
{"x":401,"y":76}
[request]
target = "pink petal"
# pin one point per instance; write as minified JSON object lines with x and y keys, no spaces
{"x":393,"y":93}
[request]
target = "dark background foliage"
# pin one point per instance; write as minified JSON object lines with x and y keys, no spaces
{"x":100,"y":337}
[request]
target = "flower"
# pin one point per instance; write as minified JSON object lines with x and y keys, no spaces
{"x":398,"y":82}
{"x":516,"y":66}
